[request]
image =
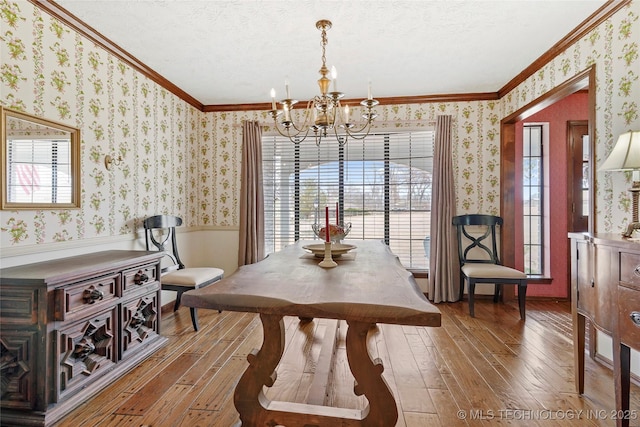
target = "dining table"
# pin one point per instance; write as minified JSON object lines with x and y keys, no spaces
{"x":368,"y":286}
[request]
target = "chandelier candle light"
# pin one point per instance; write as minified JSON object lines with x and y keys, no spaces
{"x":324,"y":113}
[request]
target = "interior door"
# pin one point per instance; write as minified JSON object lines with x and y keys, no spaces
{"x":578,"y":174}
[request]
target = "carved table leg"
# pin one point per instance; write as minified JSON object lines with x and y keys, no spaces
{"x":261,"y":372}
{"x":383,"y":411}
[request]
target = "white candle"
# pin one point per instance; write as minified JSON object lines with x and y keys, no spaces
{"x":334,"y":76}
{"x":273,"y":99}
{"x":369,"y":91}
{"x":346,"y":114}
{"x":286,"y":88}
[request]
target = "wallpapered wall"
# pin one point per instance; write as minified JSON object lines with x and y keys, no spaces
{"x":181,"y":161}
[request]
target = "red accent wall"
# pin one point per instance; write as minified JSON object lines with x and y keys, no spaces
{"x":573,"y":107}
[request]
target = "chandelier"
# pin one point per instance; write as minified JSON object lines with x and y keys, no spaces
{"x":324,"y":113}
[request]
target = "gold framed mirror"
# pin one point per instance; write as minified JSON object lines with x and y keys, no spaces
{"x":40,"y":163}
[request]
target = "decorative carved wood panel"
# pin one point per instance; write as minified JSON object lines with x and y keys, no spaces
{"x":86,"y":350}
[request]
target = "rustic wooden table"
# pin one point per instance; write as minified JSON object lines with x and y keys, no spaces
{"x":368,"y":286}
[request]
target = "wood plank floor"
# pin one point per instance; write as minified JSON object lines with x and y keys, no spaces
{"x":484,"y":371}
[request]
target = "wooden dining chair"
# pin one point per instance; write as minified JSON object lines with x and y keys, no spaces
{"x":480,"y":260}
{"x":160,"y":231}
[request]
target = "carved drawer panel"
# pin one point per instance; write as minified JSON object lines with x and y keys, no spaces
{"x":86,"y":351}
{"x":136,"y":279}
{"x":19,"y":306}
{"x":630,"y":268}
{"x":18,"y":354}
{"x":629,"y":316}
{"x":140,"y":322}
{"x":83,"y":298}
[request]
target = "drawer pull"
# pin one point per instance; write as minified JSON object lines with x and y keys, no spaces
{"x":92,"y":295}
{"x":140,"y":278}
{"x":635,"y":317}
{"x":637,"y":271}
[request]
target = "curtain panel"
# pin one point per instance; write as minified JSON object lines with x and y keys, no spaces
{"x":444,"y":272}
{"x":251,"y":245}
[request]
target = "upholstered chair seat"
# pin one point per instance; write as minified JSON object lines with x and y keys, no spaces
{"x":176,"y":276}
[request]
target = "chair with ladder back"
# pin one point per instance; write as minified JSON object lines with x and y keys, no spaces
{"x":160,"y":231}
{"x":480,"y":260}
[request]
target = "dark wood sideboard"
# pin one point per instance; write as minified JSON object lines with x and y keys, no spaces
{"x":605,"y":288}
{"x":69,"y":327}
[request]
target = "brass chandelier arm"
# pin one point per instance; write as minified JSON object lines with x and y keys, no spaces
{"x":293,"y":137}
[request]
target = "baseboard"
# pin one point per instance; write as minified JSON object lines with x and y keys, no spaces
{"x":167,"y":308}
{"x":635,"y":379}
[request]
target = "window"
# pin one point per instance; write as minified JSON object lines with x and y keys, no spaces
{"x":533,"y":199}
{"x":39,"y":171}
{"x":382,"y":185}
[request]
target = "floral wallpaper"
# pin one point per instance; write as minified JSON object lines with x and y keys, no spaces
{"x":179,"y":160}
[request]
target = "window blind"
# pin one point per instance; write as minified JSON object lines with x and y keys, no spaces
{"x":39,"y":171}
{"x":381,"y":185}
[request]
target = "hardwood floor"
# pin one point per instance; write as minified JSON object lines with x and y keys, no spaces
{"x":484,"y":371}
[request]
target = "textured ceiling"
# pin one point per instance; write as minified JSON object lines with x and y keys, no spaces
{"x":235,"y":51}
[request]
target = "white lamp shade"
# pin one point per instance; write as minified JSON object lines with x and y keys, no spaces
{"x":625,"y":155}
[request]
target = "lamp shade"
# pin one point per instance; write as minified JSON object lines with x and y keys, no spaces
{"x":626,"y":153}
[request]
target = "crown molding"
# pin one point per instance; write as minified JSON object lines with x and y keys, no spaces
{"x":416,"y":99}
{"x":605,"y":12}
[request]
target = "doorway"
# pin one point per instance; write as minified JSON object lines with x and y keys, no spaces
{"x":509,"y":181}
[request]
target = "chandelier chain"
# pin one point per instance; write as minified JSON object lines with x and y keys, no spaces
{"x":324,"y":47}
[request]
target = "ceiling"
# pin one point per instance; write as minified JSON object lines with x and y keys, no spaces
{"x":235,"y":51}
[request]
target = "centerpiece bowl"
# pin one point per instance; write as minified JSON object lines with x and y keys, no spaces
{"x":337,"y":233}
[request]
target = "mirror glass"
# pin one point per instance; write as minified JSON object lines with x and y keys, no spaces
{"x":40,"y":163}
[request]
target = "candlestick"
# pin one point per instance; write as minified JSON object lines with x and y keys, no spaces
{"x":327,"y":262}
{"x":326,"y":228}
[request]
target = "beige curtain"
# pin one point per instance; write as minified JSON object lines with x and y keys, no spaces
{"x":251,"y":247}
{"x":444,"y":267}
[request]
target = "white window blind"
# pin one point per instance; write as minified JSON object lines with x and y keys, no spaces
{"x":382,"y":185}
{"x":39,"y":171}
